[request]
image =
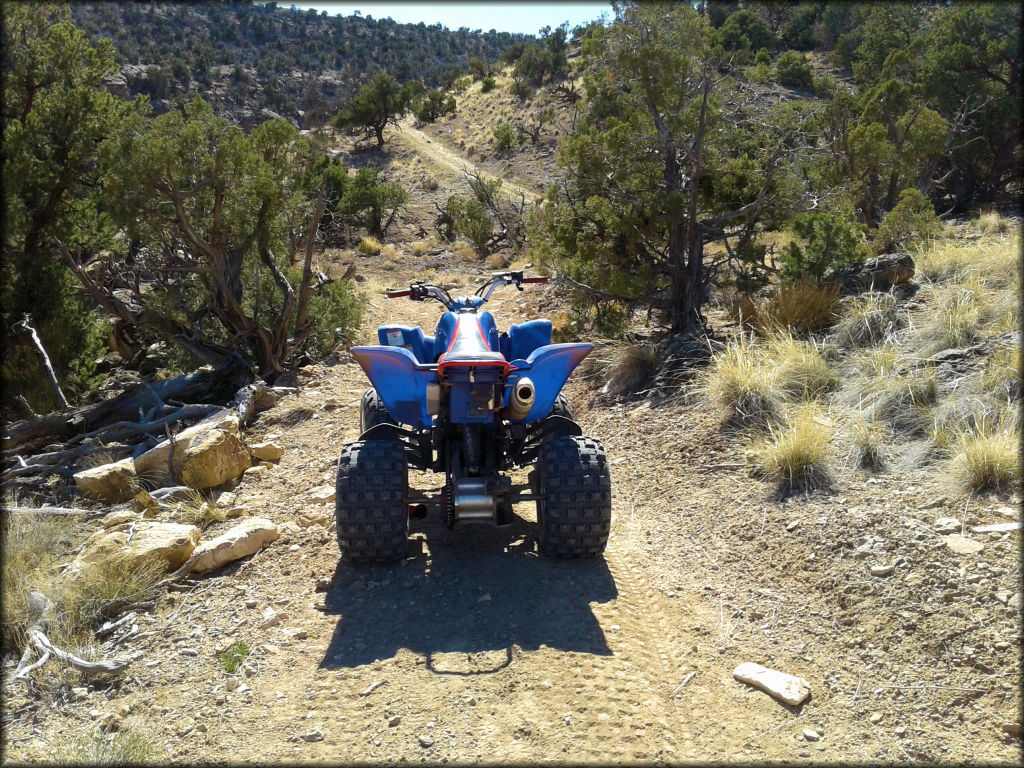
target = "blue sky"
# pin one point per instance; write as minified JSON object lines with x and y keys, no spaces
{"x":526,"y":17}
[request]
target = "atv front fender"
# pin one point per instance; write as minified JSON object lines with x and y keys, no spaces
{"x":400,"y":380}
{"x":548,"y":367}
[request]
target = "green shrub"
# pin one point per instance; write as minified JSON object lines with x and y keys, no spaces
{"x":233,"y":658}
{"x":504,"y":137}
{"x":762,"y":57}
{"x":793,"y":71}
{"x":832,"y":240}
{"x":470,"y":219}
{"x":462,"y":83}
{"x":913,"y":218}
{"x":487,"y":85}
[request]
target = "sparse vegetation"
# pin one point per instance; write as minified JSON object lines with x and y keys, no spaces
{"x":744,"y":384}
{"x":988,"y":456}
{"x":126,"y":747}
{"x":869,"y":319}
{"x":622,"y":367}
{"x":233,"y":658}
{"x":369,"y":246}
{"x":802,"y":373}
{"x":795,"y":455}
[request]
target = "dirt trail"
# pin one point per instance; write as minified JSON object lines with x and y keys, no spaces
{"x":433,"y":150}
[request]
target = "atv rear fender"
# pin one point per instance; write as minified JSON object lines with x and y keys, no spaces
{"x":548,"y":367}
{"x":400,"y":380}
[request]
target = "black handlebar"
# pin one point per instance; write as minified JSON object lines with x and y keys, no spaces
{"x":421,"y":291}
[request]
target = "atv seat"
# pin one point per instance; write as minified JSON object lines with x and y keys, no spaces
{"x":412,"y":338}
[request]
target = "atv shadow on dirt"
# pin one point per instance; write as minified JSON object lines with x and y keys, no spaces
{"x":464,"y":598}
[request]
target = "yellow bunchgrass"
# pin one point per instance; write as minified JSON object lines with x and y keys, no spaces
{"x":1002,"y":375}
{"x":744,"y":383}
{"x":869,"y":438}
{"x":420,"y":247}
{"x":869,"y":319}
{"x":988,"y":456}
{"x":624,"y":368}
{"x":369,"y":246}
{"x":903,"y":401}
{"x":802,"y":372}
{"x":795,"y":455}
{"x":799,"y":307}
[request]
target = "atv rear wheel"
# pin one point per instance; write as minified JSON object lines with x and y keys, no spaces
{"x":372,"y":501}
{"x":574,"y":513}
{"x":562,"y":408}
{"x":372,"y":411}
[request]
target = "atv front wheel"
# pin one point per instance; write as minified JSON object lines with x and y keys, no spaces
{"x":372,"y":501}
{"x":372,"y":411}
{"x":574,"y":512}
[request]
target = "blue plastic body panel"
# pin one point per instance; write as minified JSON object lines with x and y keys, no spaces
{"x":524,"y":338}
{"x":400,"y":380}
{"x":468,"y":401}
{"x":412,"y":338}
{"x":548,"y":367}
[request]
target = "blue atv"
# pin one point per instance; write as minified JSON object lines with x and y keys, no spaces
{"x":471,"y":402}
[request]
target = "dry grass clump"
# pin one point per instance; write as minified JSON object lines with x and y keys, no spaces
{"x":420,"y":247}
{"x":124,"y":747}
{"x":869,"y":319}
{"x":799,"y":307}
{"x":32,"y":546}
{"x":624,"y":368}
{"x":988,"y":457}
{"x":1002,"y":375}
{"x":743,"y":381}
{"x":369,"y":246}
{"x":496,"y":261}
{"x":995,"y":259}
{"x":991,"y":223}
{"x":100,"y":592}
{"x":956,"y":314}
{"x":196,"y":510}
{"x":802,"y":372}
{"x":389,"y":253}
{"x":466,"y":254}
{"x":869,"y":437}
{"x":795,"y":455}
{"x":903,"y":401}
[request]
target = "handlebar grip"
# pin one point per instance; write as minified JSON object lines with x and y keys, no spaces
{"x":397,"y":294}
{"x":535,"y":279}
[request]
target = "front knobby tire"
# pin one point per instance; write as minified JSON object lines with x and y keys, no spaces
{"x":372,"y":411}
{"x":372,"y":501}
{"x":574,"y":513}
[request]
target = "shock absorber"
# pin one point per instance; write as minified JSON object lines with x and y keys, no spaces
{"x":471,"y":448}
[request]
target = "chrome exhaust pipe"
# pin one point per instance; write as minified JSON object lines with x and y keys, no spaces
{"x":522,"y":398}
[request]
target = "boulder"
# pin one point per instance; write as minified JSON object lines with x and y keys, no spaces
{"x":152,"y":465}
{"x":267,"y":451}
{"x":879,"y":273}
{"x":213,"y":458}
{"x":108,"y":482}
{"x":117,"y":517}
{"x":241,"y":541}
{"x":138,"y":541}
{"x":321,"y":494}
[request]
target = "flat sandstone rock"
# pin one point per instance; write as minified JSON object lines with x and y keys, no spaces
{"x":779,"y":685}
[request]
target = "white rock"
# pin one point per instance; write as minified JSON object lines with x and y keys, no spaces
{"x":314,"y":735}
{"x":232,"y":683}
{"x":961,"y":545}
{"x":998,"y":527}
{"x":811,"y":735}
{"x":881,"y":570}
{"x":934,"y":503}
{"x":271,"y":618}
{"x":258,"y":471}
{"x":227,"y":499}
{"x":77,"y":694}
{"x":250,"y":603}
{"x":1015,"y":601}
{"x":108,"y":482}
{"x":269,"y":451}
{"x":947,"y":525}
{"x":876,"y":717}
{"x":393,"y":721}
{"x":322,"y":493}
{"x":243,"y":540}
{"x":788,"y":688}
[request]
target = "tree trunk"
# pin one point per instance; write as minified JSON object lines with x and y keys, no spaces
{"x":379,"y":130}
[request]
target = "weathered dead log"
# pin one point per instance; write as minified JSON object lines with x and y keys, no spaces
{"x":246,"y":399}
{"x":55,"y":511}
{"x":207,"y":386}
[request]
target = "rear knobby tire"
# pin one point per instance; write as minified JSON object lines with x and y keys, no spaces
{"x":372,"y":501}
{"x":562,"y":408}
{"x":574,"y":513}
{"x":372,"y":411}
